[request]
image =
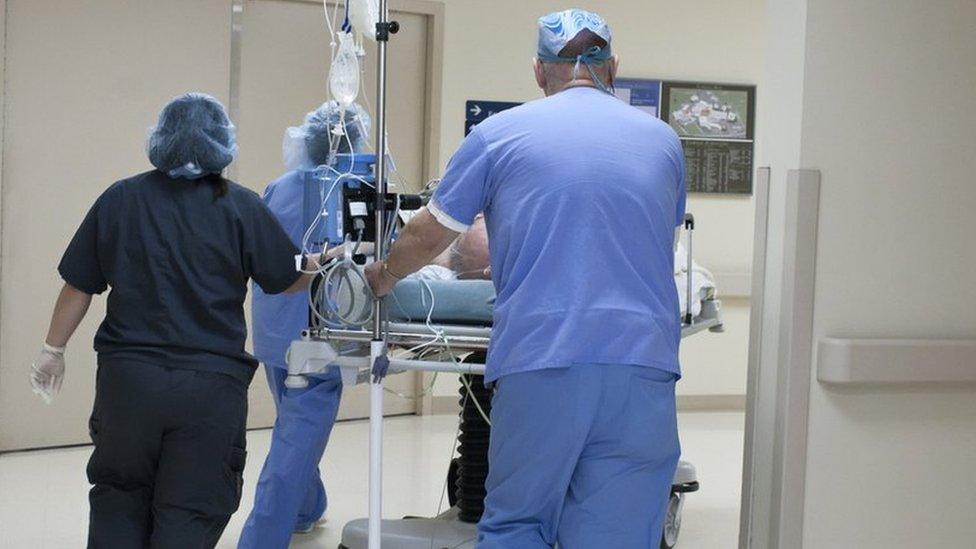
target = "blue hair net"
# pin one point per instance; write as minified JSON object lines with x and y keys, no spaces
{"x":193,"y":138}
{"x":327,"y":130}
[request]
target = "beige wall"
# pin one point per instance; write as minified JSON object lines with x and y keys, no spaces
{"x":85,"y":78}
{"x":892,"y":468}
{"x":488,"y":54}
{"x":82,"y":78}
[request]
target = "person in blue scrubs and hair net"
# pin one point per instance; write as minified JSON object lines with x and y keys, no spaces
{"x":177,"y":246}
{"x":582,"y":195}
{"x":290,"y":495}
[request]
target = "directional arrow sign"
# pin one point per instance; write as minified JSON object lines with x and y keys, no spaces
{"x":478,"y":111}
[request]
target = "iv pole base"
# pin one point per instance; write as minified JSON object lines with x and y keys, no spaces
{"x":445,"y":530}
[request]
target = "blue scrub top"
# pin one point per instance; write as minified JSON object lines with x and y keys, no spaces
{"x":581,"y":194}
{"x":279,"y":319}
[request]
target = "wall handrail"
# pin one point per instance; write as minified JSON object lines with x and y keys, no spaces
{"x":853,"y":361}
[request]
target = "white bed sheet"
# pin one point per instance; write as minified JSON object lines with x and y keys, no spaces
{"x":703,"y":282}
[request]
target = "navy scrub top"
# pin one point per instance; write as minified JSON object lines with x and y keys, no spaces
{"x":178,"y":260}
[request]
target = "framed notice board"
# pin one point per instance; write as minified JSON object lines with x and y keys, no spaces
{"x":716,"y":124}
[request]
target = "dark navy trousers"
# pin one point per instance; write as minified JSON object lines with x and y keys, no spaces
{"x":169,"y":455}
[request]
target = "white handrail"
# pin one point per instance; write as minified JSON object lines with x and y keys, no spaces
{"x":849,"y":361}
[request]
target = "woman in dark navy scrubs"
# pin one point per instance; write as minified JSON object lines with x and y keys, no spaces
{"x":176,"y":247}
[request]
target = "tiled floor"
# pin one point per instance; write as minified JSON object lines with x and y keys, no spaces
{"x":43,"y":494}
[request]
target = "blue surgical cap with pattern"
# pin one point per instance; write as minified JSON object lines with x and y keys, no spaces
{"x":557,"y":29}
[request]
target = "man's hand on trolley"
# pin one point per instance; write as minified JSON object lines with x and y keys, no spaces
{"x":381,"y":280}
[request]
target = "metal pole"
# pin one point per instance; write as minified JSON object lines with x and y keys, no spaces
{"x":375,"y":450}
{"x":689,"y":315}
{"x":381,"y":168}
{"x":378,"y":346}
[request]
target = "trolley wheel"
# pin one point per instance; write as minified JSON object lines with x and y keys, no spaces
{"x":672,"y":521}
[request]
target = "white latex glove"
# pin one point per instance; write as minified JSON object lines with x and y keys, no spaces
{"x":47,"y":372}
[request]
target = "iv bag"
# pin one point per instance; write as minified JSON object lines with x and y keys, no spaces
{"x":344,"y":76}
{"x":364,"y":14}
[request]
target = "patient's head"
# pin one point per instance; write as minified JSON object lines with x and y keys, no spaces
{"x":470,"y":251}
{"x":468,"y":255}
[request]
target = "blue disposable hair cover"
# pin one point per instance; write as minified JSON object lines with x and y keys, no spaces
{"x":326,"y":131}
{"x":193,"y":138}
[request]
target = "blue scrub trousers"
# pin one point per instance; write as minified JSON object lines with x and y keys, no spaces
{"x":290,"y":495}
{"x":581,"y":456}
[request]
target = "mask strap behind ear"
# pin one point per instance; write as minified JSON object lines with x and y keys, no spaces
{"x":587,"y":58}
{"x":596,"y":80}
{"x":584,"y":58}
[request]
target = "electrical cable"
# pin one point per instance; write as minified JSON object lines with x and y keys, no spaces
{"x":328,"y":20}
{"x":467,"y":385}
{"x":439,"y":336}
{"x":324,"y":301}
{"x":306,"y":250}
{"x":428,"y":389}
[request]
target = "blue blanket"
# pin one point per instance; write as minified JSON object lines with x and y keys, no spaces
{"x":454,"y":301}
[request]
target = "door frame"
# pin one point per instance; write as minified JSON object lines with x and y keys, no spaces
{"x":779,"y":381}
{"x":3,"y":149}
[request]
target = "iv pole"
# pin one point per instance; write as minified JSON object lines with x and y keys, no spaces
{"x":384,"y":28}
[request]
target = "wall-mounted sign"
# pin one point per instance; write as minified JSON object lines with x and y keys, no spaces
{"x":716,"y":125}
{"x":640,"y":93}
{"x":476,"y":111}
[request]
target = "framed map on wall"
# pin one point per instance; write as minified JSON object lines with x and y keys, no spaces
{"x":716,"y":125}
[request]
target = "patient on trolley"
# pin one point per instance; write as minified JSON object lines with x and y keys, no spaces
{"x":434,"y":290}
{"x":465,"y":259}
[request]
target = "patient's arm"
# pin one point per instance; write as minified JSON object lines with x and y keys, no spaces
{"x":422,"y":240}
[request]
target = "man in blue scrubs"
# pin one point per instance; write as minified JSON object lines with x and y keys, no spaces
{"x":582,"y":194}
{"x":290,"y":496}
